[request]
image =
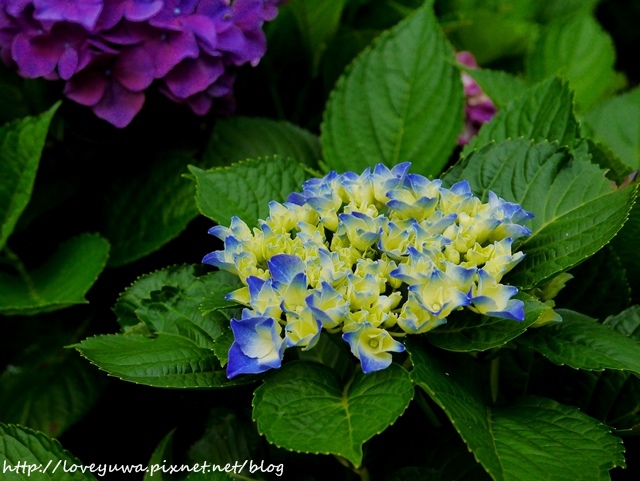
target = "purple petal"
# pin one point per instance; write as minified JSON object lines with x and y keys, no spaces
{"x":193,"y":76}
{"x":119,"y":105}
{"x":86,"y":88}
{"x":140,"y":10}
{"x":84,"y":12}
{"x":134,"y":69}
{"x":35,"y":57}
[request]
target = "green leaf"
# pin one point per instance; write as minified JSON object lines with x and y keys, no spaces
{"x":162,"y":457}
{"x":599,"y":286}
{"x":577,"y":210}
{"x":44,"y":455}
{"x":228,"y":439}
{"x":625,"y":245}
{"x":131,"y":299}
{"x":304,"y":407}
{"x":49,"y":390}
{"x":163,"y":360}
{"x":575,"y":447}
{"x":172,"y":344}
{"x":600,"y":154}
{"x":554,"y":9}
{"x":245,"y":188}
{"x":400,"y":100}
{"x":532,"y":439}
{"x":61,"y":282}
{"x":346,"y":45}
{"x":240,"y":138}
{"x":225,"y":282}
{"x":583,"y":343}
{"x":627,"y":322}
{"x":145,"y":211}
{"x":544,"y":112}
{"x":616,"y":122}
{"x":492,"y":35}
{"x":474,"y":332}
{"x":578,"y":50}
{"x":176,"y":310}
{"x":318,"y":21}
{"x":501,"y":87}
{"x":610,"y":396}
{"x":21,"y":144}
{"x":221,"y":346}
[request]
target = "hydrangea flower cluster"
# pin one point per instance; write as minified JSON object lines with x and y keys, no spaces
{"x":479,"y":109}
{"x":373,"y":256}
{"x":110,"y":51}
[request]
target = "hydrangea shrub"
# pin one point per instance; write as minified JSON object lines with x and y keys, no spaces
{"x":369,"y":281}
{"x":374,"y":256}
{"x":109,"y":52}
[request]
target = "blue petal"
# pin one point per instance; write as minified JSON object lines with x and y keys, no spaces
{"x":238,"y":363}
{"x":514,"y":311}
{"x":217,"y":259}
{"x":285,"y":267}
{"x":220,"y":231}
{"x":374,"y":363}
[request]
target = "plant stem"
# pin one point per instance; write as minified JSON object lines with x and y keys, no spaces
{"x":22,"y":271}
{"x":361,"y":471}
{"x":426,"y":409}
{"x":494,"y":377}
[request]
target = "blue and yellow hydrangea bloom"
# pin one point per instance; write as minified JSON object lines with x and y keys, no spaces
{"x":374,"y":256}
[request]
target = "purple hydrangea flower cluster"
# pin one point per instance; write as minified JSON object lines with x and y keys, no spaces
{"x":479,"y":108}
{"x":110,"y":51}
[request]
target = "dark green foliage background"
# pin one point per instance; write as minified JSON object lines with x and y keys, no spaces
{"x":118,"y":220}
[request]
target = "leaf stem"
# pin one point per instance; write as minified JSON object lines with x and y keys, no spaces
{"x":426,"y":409}
{"x":494,"y":378}
{"x":362,"y":471}
{"x":22,"y":271}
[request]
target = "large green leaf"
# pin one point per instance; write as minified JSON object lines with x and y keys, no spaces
{"x":305,"y":407}
{"x":583,"y":343}
{"x":551,"y":10}
{"x":228,"y":439}
{"x":599,"y":286}
{"x":577,"y":209}
{"x":146,"y":210}
{"x":162,"y":457}
{"x":49,"y":389}
{"x":21,"y":144}
{"x":544,"y":112}
{"x":245,"y":189}
{"x":400,"y":100}
{"x":240,"y":138}
{"x":617,"y":123}
{"x":625,"y":245}
{"x":176,"y":309}
{"x":493,"y":35}
{"x":40,"y":458}
{"x":131,"y":299}
{"x":473,"y":332}
{"x":579,"y":50}
{"x":161,"y":360}
{"x":172,"y":345}
{"x":61,"y":282}
{"x":610,"y":396}
{"x":532,"y":439}
{"x":318,"y":21}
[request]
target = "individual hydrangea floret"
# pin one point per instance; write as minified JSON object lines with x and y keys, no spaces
{"x":478,"y":109}
{"x":109,"y":52}
{"x":374,"y":257}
